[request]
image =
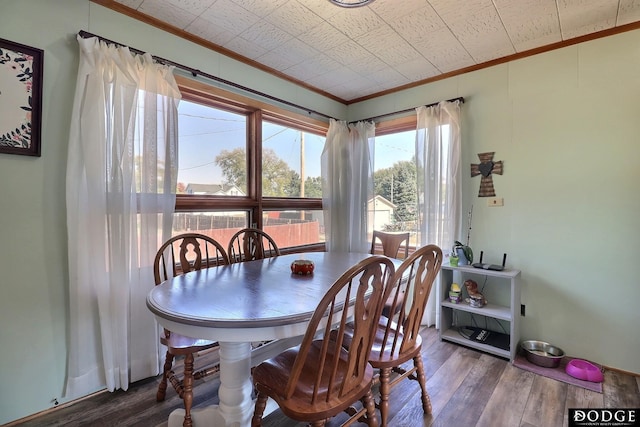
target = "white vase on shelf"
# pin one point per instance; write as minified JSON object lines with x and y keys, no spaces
{"x":462,"y":260}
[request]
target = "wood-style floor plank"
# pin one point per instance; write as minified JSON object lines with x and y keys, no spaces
{"x":545,"y":405}
{"x":578,"y":397}
{"x":468,"y":388}
{"x":474,"y":392}
{"x":507,"y":403}
{"x":448,"y":378}
{"x":621,"y":391}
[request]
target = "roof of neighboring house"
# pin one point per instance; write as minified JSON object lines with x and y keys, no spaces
{"x":218,"y":189}
{"x":382,"y":200}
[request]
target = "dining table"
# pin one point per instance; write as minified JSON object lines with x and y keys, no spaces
{"x":241,"y":303}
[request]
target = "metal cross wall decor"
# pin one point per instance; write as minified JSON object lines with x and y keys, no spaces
{"x":486,"y":167}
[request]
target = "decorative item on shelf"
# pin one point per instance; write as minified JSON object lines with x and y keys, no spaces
{"x":455,"y":294}
{"x":462,"y":251}
{"x":302,"y":267}
{"x":453,"y":259}
{"x":476,"y":299}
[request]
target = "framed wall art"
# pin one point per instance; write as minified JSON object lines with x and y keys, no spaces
{"x":20,"y":98}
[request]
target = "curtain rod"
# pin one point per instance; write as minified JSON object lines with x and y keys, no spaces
{"x":194,"y":73}
{"x":408,"y":110}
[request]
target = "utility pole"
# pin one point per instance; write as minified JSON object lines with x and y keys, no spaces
{"x":302,"y":171}
{"x":302,"y":177}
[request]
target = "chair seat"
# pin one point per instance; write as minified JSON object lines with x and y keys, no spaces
{"x":381,"y":357}
{"x":272,"y":376}
{"x":181,"y":344}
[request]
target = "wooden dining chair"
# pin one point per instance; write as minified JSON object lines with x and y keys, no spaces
{"x":397,"y":339}
{"x":251,"y":243}
{"x":391,"y":243}
{"x":178,"y":255}
{"x":321,"y":378}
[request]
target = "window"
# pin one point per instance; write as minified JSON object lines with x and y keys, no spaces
{"x":290,"y":162}
{"x":244,"y":163}
{"x":394,"y":206}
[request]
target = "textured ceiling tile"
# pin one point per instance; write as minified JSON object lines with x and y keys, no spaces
{"x":196,"y":7}
{"x":444,"y":51}
{"x":417,"y":69}
{"x":295,"y":51}
{"x":477,"y":26}
{"x":530,"y":23}
{"x":493,"y":46}
{"x":348,"y":53}
{"x":387,"y":45}
{"x":294,"y":18}
{"x":349,"y":89}
{"x":356,"y":52}
{"x":244,"y":47}
{"x":355,"y":22}
{"x":580,"y":17}
{"x":266,"y":35}
{"x":388,"y":77}
{"x":390,"y":10}
{"x":260,"y":7}
{"x":313,"y":67}
{"x":419,"y":25}
{"x":274,"y":60}
{"x":629,"y":11}
{"x":227,"y":15}
{"x":324,"y":80}
{"x":367,"y":62}
{"x":323,"y":37}
{"x":206,"y":30}
{"x":168,"y":13}
{"x":322,"y":8}
{"x":344,"y":73}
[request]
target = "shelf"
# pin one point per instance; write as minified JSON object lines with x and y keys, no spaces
{"x":489,"y":310}
{"x":505,"y":285}
{"x":454,"y":336}
{"x":468,"y":269}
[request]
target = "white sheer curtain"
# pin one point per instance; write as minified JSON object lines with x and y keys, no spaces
{"x":121,"y":180}
{"x":347,"y":184}
{"x":439,"y":184}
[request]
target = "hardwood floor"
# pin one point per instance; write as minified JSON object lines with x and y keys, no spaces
{"x":467,"y":388}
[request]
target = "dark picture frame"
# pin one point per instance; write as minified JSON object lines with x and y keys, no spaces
{"x":21,"y":70}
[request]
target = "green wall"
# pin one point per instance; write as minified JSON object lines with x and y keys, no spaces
{"x":564,"y":123}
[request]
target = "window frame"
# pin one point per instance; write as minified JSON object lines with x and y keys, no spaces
{"x":255,"y":111}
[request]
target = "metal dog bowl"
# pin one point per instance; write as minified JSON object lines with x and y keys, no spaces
{"x":542,"y":353}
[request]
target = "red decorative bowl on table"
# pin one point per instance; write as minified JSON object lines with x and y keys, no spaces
{"x":302,"y":267}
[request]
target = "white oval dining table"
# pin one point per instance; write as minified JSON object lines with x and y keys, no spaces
{"x":239,"y":304}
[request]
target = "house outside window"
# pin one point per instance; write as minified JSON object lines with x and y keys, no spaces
{"x":394,"y":206}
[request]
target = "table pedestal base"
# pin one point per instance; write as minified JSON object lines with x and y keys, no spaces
{"x":208,"y":416}
{"x":235,"y":392}
{"x":236,"y":388}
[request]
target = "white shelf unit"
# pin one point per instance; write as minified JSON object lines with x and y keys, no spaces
{"x":501,"y":281}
